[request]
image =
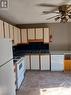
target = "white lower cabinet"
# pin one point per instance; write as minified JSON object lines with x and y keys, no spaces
{"x":45,"y":62}
{"x":34,"y":62}
{"x":57,"y":62}
{"x":27,"y":62}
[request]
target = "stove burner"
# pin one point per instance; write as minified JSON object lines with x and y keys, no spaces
{"x":16,"y":58}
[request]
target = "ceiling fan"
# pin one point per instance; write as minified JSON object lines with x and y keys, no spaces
{"x":63,"y":12}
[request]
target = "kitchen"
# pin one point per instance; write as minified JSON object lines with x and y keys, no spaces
{"x":36,"y":49}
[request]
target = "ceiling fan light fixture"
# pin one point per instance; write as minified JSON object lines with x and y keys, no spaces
{"x":63,"y":11}
{"x":57,"y":18}
{"x":64,"y":20}
{"x":69,"y":16}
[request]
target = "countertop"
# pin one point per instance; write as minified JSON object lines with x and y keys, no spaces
{"x":60,"y":52}
{"x":22,"y":54}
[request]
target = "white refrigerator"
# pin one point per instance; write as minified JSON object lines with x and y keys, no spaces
{"x":7,"y":75}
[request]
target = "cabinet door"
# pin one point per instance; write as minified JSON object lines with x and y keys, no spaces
{"x":31,"y":34}
{"x":70,"y":66}
{"x":46,"y":35}
{"x":15,"y":36}
{"x":19,"y":35}
{"x":27,"y":61}
{"x":34,"y":62}
{"x":45,"y":62}
{"x":1,"y":29}
{"x":11,"y":32}
{"x":67,"y":65}
{"x":39,"y":33}
{"x":57,"y":62}
{"x":6,"y":29}
{"x":24,"y":36}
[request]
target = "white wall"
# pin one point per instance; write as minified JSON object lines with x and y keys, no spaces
{"x":61,"y":36}
{"x":69,"y":35}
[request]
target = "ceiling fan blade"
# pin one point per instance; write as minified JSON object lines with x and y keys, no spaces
{"x":57,"y":18}
{"x":69,"y":13}
{"x":69,"y":8}
{"x":48,"y":12}
{"x":69,"y":16}
{"x":46,"y":5}
{"x":52,"y":17}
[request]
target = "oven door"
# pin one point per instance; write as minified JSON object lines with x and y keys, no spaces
{"x":20,"y":68}
{"x":20,"y":72}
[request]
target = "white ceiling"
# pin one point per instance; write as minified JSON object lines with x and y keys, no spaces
{"x":27,"y":11}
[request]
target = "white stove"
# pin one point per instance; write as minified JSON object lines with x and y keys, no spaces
{"x":19,"y":70}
